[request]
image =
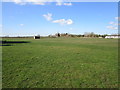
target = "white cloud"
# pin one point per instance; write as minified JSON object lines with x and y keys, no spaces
{"x":38,"y":2}
{"x":18,"y":2}
{"x":67,"y":4}
{"x":21,"y":24}
{"x":0,"y":25}
{"x":24,"y":2}
{"x":112,"y":27}
{"x":117,"y":18}
{"x":48,"y":16}
{"x":63,"y":21}
{"x":114,"y":23}
{"x":61,"y":3}
{"x":111,"y":22}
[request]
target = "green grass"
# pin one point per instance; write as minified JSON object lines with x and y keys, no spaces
{"x":61,"y":63}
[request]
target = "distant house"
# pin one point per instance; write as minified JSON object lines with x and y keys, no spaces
{"x":112,"y":36}
{"x":100,"y":37}
{"x":55,"y":36}
{"x":37,"y":37}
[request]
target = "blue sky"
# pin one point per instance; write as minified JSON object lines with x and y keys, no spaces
{"x":50,"y":18}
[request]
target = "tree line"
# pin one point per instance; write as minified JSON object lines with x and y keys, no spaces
{"x":86,"y":34}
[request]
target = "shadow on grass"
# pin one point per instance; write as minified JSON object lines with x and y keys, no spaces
{"x":5,"y":45}
{"x":10,"y":43}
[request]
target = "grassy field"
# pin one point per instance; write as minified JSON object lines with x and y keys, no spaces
{"x":60,"y":63}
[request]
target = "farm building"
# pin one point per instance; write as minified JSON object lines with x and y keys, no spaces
{"x":37,"y":37}
{"x":113,"y":36}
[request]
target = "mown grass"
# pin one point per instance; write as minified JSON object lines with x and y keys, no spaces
{"x":60,"y":63}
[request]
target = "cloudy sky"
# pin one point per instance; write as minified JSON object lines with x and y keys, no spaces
{"x":32,"y":18}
